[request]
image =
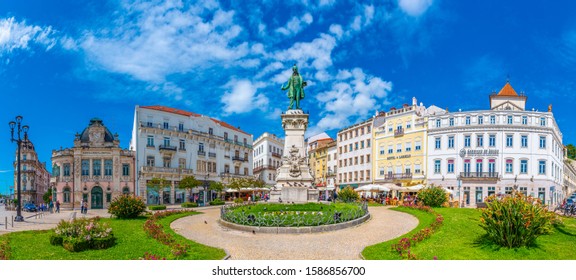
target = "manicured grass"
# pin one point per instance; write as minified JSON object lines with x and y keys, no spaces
{"x":460,"y":238}
{"x":131,"y":244}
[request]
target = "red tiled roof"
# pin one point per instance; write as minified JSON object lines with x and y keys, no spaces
{"x":189,"y":114}
{"x":507,"y":90}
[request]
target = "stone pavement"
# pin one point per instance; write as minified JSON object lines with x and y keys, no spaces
{"x":346,"y":244}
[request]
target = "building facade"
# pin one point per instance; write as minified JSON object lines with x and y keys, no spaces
{"x":569,"y":176}
{"x":267,"y":154}
{"x":496,"y":151}
{"x":400,"y":144}
{"x":173,"y":144}
{"x":318,"y":160}
{"x":355,"y":155}
{"x":95,"y":170}
{"x":332,"y":170}
{"x":35,"y":179}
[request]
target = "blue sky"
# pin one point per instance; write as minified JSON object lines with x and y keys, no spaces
{"x":63,"y":63}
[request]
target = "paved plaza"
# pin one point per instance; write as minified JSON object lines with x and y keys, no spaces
{"x":345,"y":244}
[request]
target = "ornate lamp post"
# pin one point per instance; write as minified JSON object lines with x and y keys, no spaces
{"x":19,"y":140}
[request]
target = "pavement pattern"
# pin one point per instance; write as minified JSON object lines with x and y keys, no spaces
{"x":345,"y":244}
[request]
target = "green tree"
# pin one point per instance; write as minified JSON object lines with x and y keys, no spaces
{"x":218,"y":187}
{"x":156,"y":184}
{"x":348,"y":195}
{"x":47,"y":196}
{"x":188,"y":183}
{"x":571,"y":151}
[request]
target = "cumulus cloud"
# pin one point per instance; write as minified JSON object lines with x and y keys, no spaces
{"x":414,"y":8}
{"x":16,"y":35}
{"x":318,"y":52}
{"x":295,"y":25}
{"x":242,"y":97}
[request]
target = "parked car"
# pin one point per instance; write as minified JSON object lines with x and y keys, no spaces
{"x":29,"y":207}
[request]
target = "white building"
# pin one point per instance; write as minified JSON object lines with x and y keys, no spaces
{"x":569,"y":176}
{"x":354,"y":155}
{"x":172,"y":144}
{"x":267,"y":153}
{"x":481,"y":153}
{"x":331,"y":176}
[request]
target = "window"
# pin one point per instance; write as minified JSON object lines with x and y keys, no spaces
{"x":150,"y":142}
{"x":368,"y":129}
{"x":467,"y":141}
{"x":125,"y":169}
{"x":389,"y":129}
{"x":166,"y":125}
{"x":437,"y":166}
{"x":479,"y":166}
{"x":492,"y":140}
{"x":509,"y":140}
{"x":361,"y":144}
{"x":542,"y":121}
{"x":210,"y":131}
{"x":479,"y":140}
{"x":182,"y":163}
{"x":236,"y":138}
{"x":437,"y":143}
{"x":167,"y":162}
{"x":108,"y":167}
{"x":225,"y":135}
{"x":417,"y":168}
{"x":542,"y":142}
{"x":66,"y":194}
{"x":398,"y":148}
{"x":418,"y":146}
{"x":356,"y":160}
{"x":408,"y":125}
{"x":180,"y":127}
{"x":450,"y":166}
{"x":437,"y":123}
{"x":407,"y":169}
{"x":182,"y":145}
{"x":467,"y":120}
{"x":381,"y":150}
{"x":245,"y":170}
{"x":451,"y":122}
{"x":466,"y":166}
{"x":542,"y":167}
{"x":509,"y":166}
{"x":381,"y":171}
{"x":149,"y":123}
{"x":350,"y":147}
{"x":450,"y":142}
{"x":66,"y":169}
{"x":408,"y":146}
{"x":480,"y":119}
{"x":524,"y":120}
{"x":492,"y":167}
{"x":510,"y":119}
{"x":367,"y":158}
{"x":96,"y":167}
{"x":150,"y":161}
{"x":524,"y":141}
{"x":492,"y":119}
{"x":356,"y":146}
{"x":390,"y":149}
{"x":201,"y":147}
{"x":368,"y":142}
{"x":524,"y":166}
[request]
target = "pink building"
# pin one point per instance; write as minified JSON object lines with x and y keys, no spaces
{"x":95,"y":170}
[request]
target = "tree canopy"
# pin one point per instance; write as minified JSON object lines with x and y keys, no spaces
{"x":571,"y":151}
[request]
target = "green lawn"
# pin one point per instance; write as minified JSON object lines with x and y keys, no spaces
{"x":460,"y":238}
{"x":131,"y":243}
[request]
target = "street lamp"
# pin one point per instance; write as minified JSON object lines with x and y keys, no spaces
{"x":204,"y":191}
{"x":19,"y":141}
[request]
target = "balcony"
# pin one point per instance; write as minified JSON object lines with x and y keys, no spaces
{"x":263,"y":167}
{"x":397,"y":176}
{"x":277,"y":155}
{"x":212,"y":155}
{"x":201,"y":153}
{"x":167,"y":170}
{"x":398,"y":132}
{"x":167,"y":148}
{"x":233,"y":175}
{"x":235,"y":158}
{"x":479,"y":176}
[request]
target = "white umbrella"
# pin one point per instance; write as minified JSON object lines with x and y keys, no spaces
{"x":448,"y":191}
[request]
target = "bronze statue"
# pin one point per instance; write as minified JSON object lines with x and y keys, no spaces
{"x":295,"y":87}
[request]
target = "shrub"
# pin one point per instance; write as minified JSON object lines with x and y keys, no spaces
{"x":189,"y":204}
{"x":348,"y":195}
{"x":83,"y":234}
{"x":432,"y":196}
{"x":157,"y":207}
{"x":127,"y":207}
{"x":155,"y":230}
{"x":238,"y":200}
{"x":403,"y":246}
{"x":516,"y":220}
{"x":217,"y":202}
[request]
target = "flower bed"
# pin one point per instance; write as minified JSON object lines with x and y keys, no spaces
{"x":83,"y":234}
{"x":155,"y":230}
{"x":403,"y":246}
{"x":5,"y":250}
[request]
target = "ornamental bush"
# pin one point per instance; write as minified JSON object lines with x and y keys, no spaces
{"x":348,"y":195}
{"x":516,"y":220}
{"x":157,"y":207}
{"x":83,"y":234}
{"x":217,"y":202}
{"x":189,"y":204}
{"x":127,"y":207}
{"x":432,"y":196}
{"x":238,"y":200}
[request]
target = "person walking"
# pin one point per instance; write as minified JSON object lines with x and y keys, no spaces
{"x":57,"y":206}
{"x":51,"y":206}
{"x":82,"y":206}
{"x":85,"y":207}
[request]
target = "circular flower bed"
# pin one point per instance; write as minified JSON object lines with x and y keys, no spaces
{"x":292,"y":215}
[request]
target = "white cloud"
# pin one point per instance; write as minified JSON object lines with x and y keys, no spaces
{"x":153,"y":40}
{"x":317,"y":53}
{"x":414,"y":8}
{"x":295,"y":25}
{"x":327,"y":3}
{"x":243,"y":97}
{"x":336,"y":29}
{"x":18,"y":35}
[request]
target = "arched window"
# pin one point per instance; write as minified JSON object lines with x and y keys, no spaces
{"x":66,"y":194}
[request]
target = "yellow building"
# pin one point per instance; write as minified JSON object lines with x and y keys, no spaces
{"x":400,"y":145}
{"x":318,"y":159}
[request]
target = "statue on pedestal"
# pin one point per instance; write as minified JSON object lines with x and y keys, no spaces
{"x":295,"y":87}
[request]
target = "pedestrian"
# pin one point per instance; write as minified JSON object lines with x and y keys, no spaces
{"x":82,"y":206}
{"x":50,"y":206}
{"x":85,"y":207}
{"x":57,"y":206}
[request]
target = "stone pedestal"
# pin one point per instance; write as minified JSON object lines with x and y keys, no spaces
{"x":294,"y":181}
